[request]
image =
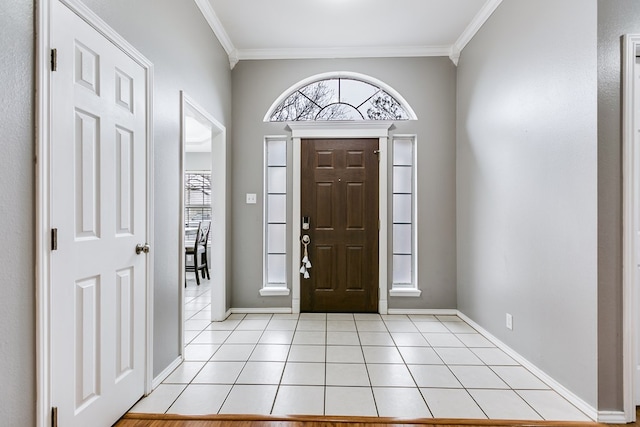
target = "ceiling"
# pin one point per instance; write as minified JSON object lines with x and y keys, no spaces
{"x":283,"y":29}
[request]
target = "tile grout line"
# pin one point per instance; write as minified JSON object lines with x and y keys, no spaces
{"x":275,"y":398}
{"x":449,"y":366}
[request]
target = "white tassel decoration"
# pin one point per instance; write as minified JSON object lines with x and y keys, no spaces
{"x":305,"y":259}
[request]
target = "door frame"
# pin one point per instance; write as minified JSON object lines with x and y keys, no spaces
{"x":218,"y":226}
{"x":631,"y":210}
{"x":43,"y":195}
{"x":334,"y":130}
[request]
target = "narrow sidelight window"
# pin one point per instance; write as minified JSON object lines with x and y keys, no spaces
{"x":403,"y":211}
{"x":275,"y":215}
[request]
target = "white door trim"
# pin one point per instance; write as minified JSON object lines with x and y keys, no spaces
{"x":333,"y":130}
{"x":219,"y":217}
{"x":43,"y":194}
{"x":631,"y":210}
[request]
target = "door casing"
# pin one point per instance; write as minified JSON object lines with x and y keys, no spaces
{"x":334,"y":130}
{"x":218,"y":225}
{"x":631,"y":210}
{"x":43,"y":195}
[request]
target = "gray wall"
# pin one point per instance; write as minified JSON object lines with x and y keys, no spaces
{"x":428,"y":85}
{"x":615,"y":18}
{"x":199,"y":161}
{"x":186,"y":55}
{"x":175,"y":37}
{"x":527,"y":185}
{"x":17,"y":214}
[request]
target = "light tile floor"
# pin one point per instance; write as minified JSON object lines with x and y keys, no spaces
{"x":405,"y":366}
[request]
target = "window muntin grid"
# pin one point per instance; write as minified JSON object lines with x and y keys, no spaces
{"x":197,"y":197}
{"x":275,"y":243}
{"x":403,"y":202}
{"x":339,"y":99}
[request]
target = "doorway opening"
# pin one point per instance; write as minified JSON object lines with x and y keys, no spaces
{"x":203,"y":161}
{"x":379,"y":131}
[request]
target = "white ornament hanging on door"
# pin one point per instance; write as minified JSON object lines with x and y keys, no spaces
{"x":306,"y":263}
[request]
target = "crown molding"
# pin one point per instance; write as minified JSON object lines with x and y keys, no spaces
{"x":347,"y":52}
{"x":474,"y":26}
{"x":453,"y":52}
{"x":217,"y":28}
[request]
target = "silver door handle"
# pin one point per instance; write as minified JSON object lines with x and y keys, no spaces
{"x":142,"y":248}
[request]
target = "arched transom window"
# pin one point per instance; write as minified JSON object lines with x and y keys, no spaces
{"x":343,"y":97}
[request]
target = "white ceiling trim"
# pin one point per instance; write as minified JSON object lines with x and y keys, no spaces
{"x":359,"y":52}
{"x":215,"y":24}
{"x":474,"y":26}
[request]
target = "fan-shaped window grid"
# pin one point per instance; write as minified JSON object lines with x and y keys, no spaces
{"x":339,"y":99}
{"x":197,"y":200}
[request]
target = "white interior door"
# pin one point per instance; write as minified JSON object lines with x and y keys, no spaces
{"x":99,"y":208}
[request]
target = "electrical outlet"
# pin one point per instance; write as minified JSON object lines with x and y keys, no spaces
{"x":251,"y":198}
{"x":509,"y":322}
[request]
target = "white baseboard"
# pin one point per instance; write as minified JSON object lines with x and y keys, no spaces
{"x":612,"y":417}
{"x":164,"y":374}
{"x":265,"y":310}
{"x":430,"y":311}
{"x":578,"y":402}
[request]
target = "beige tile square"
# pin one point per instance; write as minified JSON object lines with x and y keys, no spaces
{"x":307,"y":353}
{"x":376,"y":354}
{"x":347,"y":374}
{"x":199,"y":399}
{"x":503,"y":404}
{"x":270,"y":353}
{"x":299,"y":400}
{"x":184,"y":373}
{"x":301,"y":373}
{"x":261,"y":373}
{"x":451,"y":403}
{"x":400,"y":403}
{"x":250,"y":399}
{"x":390,"y":375}
{"x":219,"y":373}
{"x":420,"y":356}
{"x":434,"y":376}
{"x":354,"y":401}
{"x":344,"y":354}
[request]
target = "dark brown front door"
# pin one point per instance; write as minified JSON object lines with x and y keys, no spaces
{"x":339,"y":195}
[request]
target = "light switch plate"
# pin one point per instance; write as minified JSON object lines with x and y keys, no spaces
{"x":252,"y":198}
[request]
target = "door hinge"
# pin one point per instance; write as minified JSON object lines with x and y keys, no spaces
{"x":54,"y":59}
{"x":54,"y":416}
{"x":54,"y":239}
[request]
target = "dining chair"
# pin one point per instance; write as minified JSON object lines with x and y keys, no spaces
{"x":197,"y":249}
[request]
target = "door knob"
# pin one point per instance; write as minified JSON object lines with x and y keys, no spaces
{"x":142,"y":248}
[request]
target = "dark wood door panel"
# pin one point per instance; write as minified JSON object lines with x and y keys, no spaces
{"x":339,"y":193}
{"x":356,"y":195}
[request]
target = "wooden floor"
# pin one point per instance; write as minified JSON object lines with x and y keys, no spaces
{"x":154,"y":420}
